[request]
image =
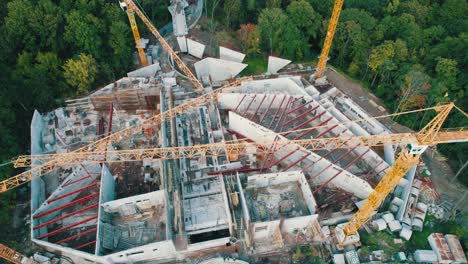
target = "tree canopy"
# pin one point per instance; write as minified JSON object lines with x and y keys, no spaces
{"x":394,"y":47}
{"x":51,"y":50}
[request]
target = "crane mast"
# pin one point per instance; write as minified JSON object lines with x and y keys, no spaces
{"x":407,"y":159}
{"x":136,"y":36}
{"x":14,"y":256}
{"x":131,"y":6}
{"x":329,"y":38}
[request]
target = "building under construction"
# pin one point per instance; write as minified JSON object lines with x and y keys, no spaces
{"x":166,"y":209}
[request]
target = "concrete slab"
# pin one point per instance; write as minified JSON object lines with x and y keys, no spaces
{"x":182,"y":41}
{"x":217,"y":69}
{"x":195,"y":48}
{"x":148,"y":71}
{"x":275,"y":64}
{"x":230,"y":55}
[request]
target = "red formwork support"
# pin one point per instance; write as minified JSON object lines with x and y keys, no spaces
{"x":87,"y":208}
{"x":373,"y":169}
{"x":338,"y":173}
{"x":283,"y":158}
{"x":327,"y":130}
{"x":272,"y":149}
{"x":94,"y":184}
{"x":303,"y":124}
{"x":258,"y":108}
{"x":346,"y":153}
{"x":268,"y":109}
{"x":65,"y":228}
{"x":89,"y":231}
{"x":302,"y":115}
{"x":377,"y":173}
{"x":300,"y":106}
{"x":296,"y":162}
{"x":248,"y":106}
{"x":86,"y":244}
{"x":320,"y":172}
{"x":111,"y":114}
{"x":238,"y":135}
{"x":77,"y":201}
{"x":100,"y":132}
{"x":307,"y":132}
{"x":282,"y":114}
{"x":77,"y":180}
{"x":295,"y":100}
{"x":240,"y":102}
{"x":276,"y":112}
{"x":328,"y":153}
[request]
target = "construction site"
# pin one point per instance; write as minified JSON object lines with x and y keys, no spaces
{"x":166,"y":166}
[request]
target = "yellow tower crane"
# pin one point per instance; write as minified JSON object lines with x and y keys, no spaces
{"x":136,"y":35}
{"x":101,"y":144}
{"x":407,"y":159}
{"x":132,"y":7}
{"x":414,"y":145}
{"x":329,"y":38}
{"x":233,"y":148}
{"x":14,"y":256}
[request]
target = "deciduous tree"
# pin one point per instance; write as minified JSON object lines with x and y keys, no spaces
{"x":271,"y":24}
{"x":80,"y":72}
{"x":232,"y":11}
{"x":83,"y":31}
{"x":249,"y":38}
{"x":304,"y":17}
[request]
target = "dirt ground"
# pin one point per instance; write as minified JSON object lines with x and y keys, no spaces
{"x":442,"y":174}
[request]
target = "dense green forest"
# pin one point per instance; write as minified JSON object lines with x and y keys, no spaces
{"x":411,"y":53}
{"x":52,"y":50}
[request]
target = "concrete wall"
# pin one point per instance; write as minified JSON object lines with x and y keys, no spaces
{"x":76,"y":255}
{"x":208,"y":244}
{"x":344,"y":180}
{"x":141,"y":201}
{"x":106,"y":194}
{"x":156,"y":252}
{"x":300,"y":222}
{"x":271,"y":86}
{"x":163,"y":250}
{"x":226,"y":204}
{"x":37,"y":183}
{"x":245,"y":209}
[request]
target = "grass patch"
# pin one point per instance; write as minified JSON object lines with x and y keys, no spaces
{"x":433,"y":225}
{"x":380,"y":240}
{"x":256,"y":65}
